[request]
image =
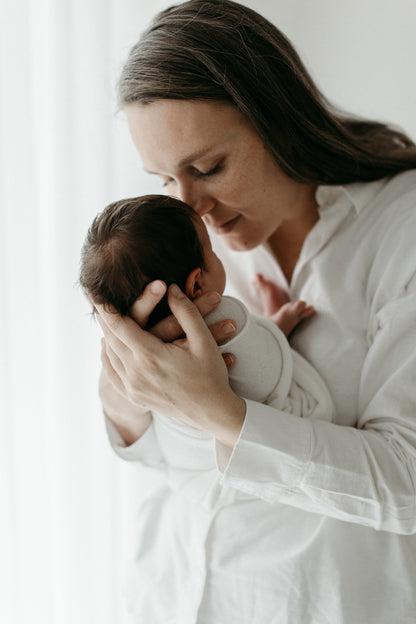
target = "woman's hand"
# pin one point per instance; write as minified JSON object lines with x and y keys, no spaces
{"x":169,"y":329}
{"x":185,"y":378}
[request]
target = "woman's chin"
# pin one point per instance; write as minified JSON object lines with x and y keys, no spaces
{"x":236,"y":243}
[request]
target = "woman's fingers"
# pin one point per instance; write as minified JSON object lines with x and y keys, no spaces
{"x":122,"y":333}
{"x":187,"y":315}
{"x":189,"y":318}
{"x":223,"y":330}
{"x":142,"y":307}
{"x":229,"y":359}
{"x":108,"y":323}
{"x":208,"y":302}
{"x":169,"y":329}
{"x":113,"y":364}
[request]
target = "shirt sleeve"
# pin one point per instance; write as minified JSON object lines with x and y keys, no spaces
{"x":146,"y":449}
{"x":364,"y":474}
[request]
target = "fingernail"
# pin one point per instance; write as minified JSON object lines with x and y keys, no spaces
{"x":157,"y":287}
{"x":229,"y":359}
{"x":213,"y":298}
{"x":176,"y":291}
{"x":229,"y":328}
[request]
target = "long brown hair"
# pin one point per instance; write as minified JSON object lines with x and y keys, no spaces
{"x":221,"y":50}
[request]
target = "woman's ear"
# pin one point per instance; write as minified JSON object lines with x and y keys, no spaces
{"x":193,"y":284}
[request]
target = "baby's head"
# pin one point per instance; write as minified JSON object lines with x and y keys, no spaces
{"x":135,"y":241}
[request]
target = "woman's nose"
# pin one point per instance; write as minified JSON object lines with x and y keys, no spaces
{"x":199,"y":201}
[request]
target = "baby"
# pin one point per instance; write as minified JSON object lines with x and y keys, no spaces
{"x":135,"y":241}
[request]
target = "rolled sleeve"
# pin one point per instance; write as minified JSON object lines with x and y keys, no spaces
{"x":146,"y":449}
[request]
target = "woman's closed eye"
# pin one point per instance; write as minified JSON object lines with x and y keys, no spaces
{"x":207,"y":174}
{"x":197,"y":173}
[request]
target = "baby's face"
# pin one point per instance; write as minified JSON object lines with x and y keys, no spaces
{"x":214,"y":273}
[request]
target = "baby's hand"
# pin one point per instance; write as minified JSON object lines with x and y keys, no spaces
{"x":271,"y":295}
{"x":291,"y":314}
{"x":277,"y":307}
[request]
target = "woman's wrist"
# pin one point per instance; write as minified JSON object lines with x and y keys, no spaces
{"x":228,"y":430}
{"x":131,"y":429}
{"x":130,"y":420}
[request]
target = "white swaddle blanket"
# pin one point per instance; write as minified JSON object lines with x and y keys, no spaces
{"x":267,"y":370}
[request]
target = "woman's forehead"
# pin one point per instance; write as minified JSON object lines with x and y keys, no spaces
{"x":181,"y":131}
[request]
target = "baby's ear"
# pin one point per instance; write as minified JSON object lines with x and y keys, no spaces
{"x":193,"y":284}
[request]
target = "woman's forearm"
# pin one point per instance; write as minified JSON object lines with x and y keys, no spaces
{"x":130,"y":420}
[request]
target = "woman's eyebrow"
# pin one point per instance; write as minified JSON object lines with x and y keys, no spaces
{"x":194,"y":156}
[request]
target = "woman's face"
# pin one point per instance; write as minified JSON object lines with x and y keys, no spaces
{"x":208,"y":155}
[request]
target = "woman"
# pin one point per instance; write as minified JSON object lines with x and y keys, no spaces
{"x":314,"y":522}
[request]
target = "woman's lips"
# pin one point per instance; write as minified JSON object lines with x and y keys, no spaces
{"x":226,"y":227}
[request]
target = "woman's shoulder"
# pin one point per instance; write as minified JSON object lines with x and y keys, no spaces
{"x":394,"y":212}
{"x":392,"y":217}
{"x":387,"y":196}
{"x":385,"y":209}
{"x":400,"y":191}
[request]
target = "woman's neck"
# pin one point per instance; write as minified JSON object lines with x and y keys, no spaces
{"x":287,"y":241}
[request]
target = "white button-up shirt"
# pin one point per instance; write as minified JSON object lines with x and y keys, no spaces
{"x":313,"y":522}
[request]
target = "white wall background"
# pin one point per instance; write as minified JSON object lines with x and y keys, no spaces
{"x":65,"y":499}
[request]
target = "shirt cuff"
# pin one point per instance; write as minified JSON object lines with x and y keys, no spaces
{"x":272,"y":454}
{"x":145,"y":449}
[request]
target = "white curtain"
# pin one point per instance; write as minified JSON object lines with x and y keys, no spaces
{"x":66,"y":500}
{"x":64,"y":154}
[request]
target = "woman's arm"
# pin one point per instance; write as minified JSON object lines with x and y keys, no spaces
{"x":186,"y":377}
{"x":364,"y":474}
{"x":129,"y":420}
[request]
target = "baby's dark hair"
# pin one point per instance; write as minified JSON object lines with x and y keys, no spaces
{"x":135,"y":241}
